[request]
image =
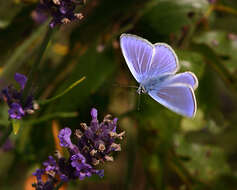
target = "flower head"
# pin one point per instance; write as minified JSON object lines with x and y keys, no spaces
{"x":93,"y":145}
{"x":13,"y":97}
{"x":61,"y":11}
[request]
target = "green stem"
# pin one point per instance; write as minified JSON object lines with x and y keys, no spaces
{"x":19,"y":56}
{"x":6,"y":135}
{"x":36,"y":64}
{"x":131,"y":158}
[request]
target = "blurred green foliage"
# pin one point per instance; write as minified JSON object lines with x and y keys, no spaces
{"x":162,"y":150}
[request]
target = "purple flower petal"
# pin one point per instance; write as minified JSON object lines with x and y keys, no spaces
{"x":100,"y":173}
{"x":38,"y":173}
{"x":51,"y":164}
{"x":20,"y":79}
{"x":94,"y":114}
{"x":64,"y":137}
{"x":16,"y":111}
{"x":64,"y":178}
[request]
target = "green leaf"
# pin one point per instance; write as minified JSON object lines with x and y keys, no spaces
{"x":51,"y":116}
{"x":193,"y":124}
{"x":191,"y":61}
{"x":205,"y":160}
{"x":6,"y":16}
{"x":170,"y":16}
{"x":96,"y":67}
{"x":223,"y":45}
{"x":43,"y":102}
{"x":216,"y":64}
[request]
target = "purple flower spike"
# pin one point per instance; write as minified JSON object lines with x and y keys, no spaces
{"x":20,"y":79}
{"x":13,"y":97}
{"x":93,"y":146}
{"x":16,"y":111}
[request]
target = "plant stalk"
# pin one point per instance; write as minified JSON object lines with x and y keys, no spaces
{"x":36,"y":64}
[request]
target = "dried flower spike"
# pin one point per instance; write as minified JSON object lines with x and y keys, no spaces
{"x":61,"y":11}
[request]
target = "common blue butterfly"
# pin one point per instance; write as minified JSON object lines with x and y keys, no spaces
{"x":154,"y":66}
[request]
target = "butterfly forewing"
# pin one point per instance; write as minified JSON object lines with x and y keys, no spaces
{"x":138,"y":55}
{"x":164,"y":61}
{"x":177,"y":97}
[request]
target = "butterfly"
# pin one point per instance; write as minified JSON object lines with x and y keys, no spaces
{"x":154,"y":66}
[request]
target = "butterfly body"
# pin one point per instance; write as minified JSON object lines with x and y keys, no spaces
{"x":152,"y":84}
{"x":154,"y":66}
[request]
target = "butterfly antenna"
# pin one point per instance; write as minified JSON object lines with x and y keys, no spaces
{"x":125,"y":86}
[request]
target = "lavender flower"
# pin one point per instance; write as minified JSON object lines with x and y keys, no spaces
{"x":61,"y":11}
{"x":13,"y":97}
{"x":93,"y":145}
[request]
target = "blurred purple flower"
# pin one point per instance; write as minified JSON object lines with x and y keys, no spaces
{"x":61,"y":11}
{"x":16,"y":111}
{"x":232,"y":37}
{"x":8,"y":144}
{"x":13,"y":97}
{"x":212,"y":1}
{"x":38,"y":174}
{"x":21,"y":79}
{"x":94,"y":145}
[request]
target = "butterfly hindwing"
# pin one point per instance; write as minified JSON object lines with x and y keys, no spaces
{"x":177,"y":97}
{"x":185,"y":78}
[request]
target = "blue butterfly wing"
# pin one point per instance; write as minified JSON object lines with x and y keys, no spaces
{"x":138,"y":55}
{"x":188,"y":78}
{"x":178,"y":97}
{"x":164,"y":61}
